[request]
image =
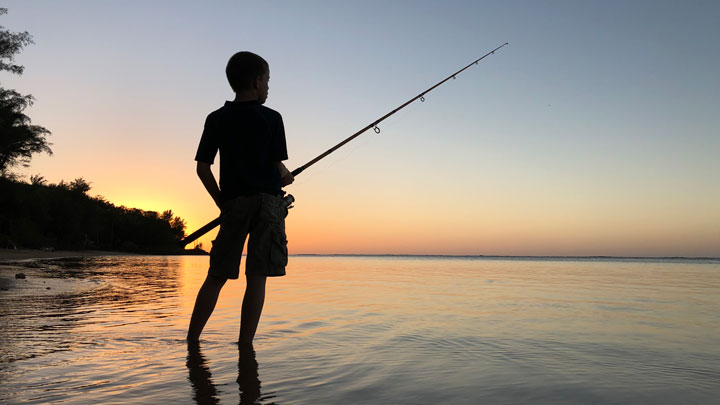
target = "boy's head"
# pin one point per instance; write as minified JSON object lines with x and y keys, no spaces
{"x":247,"y":71}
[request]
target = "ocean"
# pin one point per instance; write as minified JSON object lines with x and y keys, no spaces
{"x":367,"y":330}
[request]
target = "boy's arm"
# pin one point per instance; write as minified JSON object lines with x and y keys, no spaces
{"x":285,"y":176}
{"x":208,"y":180}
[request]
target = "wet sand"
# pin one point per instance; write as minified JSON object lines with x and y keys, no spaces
{"x":18,"y":275}
{"x":9,"y":255}
{"x":30,"y":271}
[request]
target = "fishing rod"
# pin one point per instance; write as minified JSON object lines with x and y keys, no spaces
{"x":374,"y":125}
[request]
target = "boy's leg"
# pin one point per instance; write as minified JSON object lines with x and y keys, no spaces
{"x":225,"y":258}
{"x":252,"y":306}
{"x":204,"y":305}
{"x":267,"y":242}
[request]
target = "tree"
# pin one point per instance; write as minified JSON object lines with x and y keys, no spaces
{"x":80,"y":185}
{"x":177,"y":224}
{"x":37,"y":180}
{"x":19,"y":139}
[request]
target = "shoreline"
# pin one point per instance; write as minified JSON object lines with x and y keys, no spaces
{"x":504,"y":257}
{"x":10,"y":255}
{"x":19,"y":277}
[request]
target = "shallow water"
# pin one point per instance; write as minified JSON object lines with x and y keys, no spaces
{"x":401,"y":330}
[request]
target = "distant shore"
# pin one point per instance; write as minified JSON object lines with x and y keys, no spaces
{"x":501,"y":257}
{"x":9,"y":255}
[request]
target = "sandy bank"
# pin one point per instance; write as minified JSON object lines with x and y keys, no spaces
{"x":8,"y":255}
{"x":19,"y":276}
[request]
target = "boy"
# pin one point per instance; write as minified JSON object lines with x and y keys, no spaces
{"x":251,"y":141}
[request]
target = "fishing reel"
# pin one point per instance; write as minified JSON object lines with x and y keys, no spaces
{"x":287,"y":201}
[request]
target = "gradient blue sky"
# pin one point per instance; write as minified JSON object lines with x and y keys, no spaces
{"x":595,"y":132}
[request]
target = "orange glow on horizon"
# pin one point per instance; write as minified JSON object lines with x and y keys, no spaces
{"x":326,"y":224}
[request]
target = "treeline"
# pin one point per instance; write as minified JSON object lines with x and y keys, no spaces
{"x":64,"y":216}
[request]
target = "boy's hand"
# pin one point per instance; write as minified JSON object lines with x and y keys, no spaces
{"x":284,"y":181}
{"x":208,"y":180}
{"x":285,"y":176}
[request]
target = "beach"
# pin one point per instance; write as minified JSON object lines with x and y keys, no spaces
{"x":17,"y":274}
{"x":9,"y":255}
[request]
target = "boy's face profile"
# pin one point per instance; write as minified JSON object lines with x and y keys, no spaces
{"x":263,"y":86}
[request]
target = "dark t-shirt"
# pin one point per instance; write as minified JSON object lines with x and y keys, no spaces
{"x":251,"y":138}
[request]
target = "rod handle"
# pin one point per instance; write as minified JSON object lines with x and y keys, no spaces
{"x":200,"y":232}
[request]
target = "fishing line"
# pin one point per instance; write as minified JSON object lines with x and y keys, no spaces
{"x":342,"y":157}
{"x":375,"y":126}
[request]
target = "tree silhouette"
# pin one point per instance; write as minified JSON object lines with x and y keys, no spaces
{"x":37,"y":180}
{"x":63,"y":216}
{"x":79,"y":185}
{"x":19,"y":139}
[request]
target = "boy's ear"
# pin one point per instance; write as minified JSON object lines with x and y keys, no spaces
{"x":256,"y":83}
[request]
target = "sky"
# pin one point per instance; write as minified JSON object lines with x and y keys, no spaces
{"x":594,"y":132}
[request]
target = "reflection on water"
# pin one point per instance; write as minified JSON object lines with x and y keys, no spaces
{"x":204,"y":391}
{"x":366,"y":330}
{"x":81,"y":294}
{"x":248,"y":380}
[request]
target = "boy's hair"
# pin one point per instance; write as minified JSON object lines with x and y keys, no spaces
{"x":243,"y":68}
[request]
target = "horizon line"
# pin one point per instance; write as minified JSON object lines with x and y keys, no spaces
{"x":509,"y":256}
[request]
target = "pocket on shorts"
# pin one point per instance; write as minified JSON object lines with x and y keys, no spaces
{"x":273,"y":209}
{"x":278,"y":247}
{"x":273,"y":213}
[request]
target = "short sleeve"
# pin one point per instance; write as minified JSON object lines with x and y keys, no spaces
{"x":209,"y":142}
{"x":279,"y":151}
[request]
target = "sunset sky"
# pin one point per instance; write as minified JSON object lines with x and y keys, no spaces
{"x":595,"y":132}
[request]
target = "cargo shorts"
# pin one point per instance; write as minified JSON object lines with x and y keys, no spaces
{"x":262,"y":218}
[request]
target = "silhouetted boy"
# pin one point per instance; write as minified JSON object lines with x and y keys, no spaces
{"x":251,"y":141}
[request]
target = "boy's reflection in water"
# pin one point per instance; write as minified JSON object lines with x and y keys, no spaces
{"x":248,"y":380}
{"x":204,"y":390}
